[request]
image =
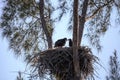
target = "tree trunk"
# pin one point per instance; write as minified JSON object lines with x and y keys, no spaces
{"x":82,"y":21}
{"x":75,"y":41}
{"x":44,"y":26}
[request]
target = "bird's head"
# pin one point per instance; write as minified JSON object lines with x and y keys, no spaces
{"x":69,"y":39}
{"x":65,"y":39}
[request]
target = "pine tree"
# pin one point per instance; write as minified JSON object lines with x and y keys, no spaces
{"x":28,"y":24}
{"x":19,"y":77}
{"x":114,"y":72}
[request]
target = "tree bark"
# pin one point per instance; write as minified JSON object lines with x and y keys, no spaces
{"x":82,"y":21}
{"x":44,"y":26}
{"x":75,"y":41}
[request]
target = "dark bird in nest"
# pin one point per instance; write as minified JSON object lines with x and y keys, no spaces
{"x":60,"y":42}
{"x":70,"y":42}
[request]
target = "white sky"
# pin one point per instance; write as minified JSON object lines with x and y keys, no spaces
{"x":9,"y":64}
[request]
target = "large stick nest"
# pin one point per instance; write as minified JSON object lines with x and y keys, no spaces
{"x":59,"y":62}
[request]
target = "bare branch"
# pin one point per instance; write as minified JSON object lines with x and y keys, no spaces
{"x":82,"y":20}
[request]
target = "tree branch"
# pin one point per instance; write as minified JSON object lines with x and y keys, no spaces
{"x":97,"y":10}
{"x":82,"y":20}
{"x":44,"y":26}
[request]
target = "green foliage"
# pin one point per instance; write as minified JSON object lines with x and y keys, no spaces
{"x":114,"y":73}
{"x":21,"y":25}
{"x":99,"y":24}
{"x":21,"y":22}
{"x":19,"y":77}
{"x":100,"y":14}
{"x":98,"y":19}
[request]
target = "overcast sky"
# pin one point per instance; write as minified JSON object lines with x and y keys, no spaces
{"x":9,"y":65}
